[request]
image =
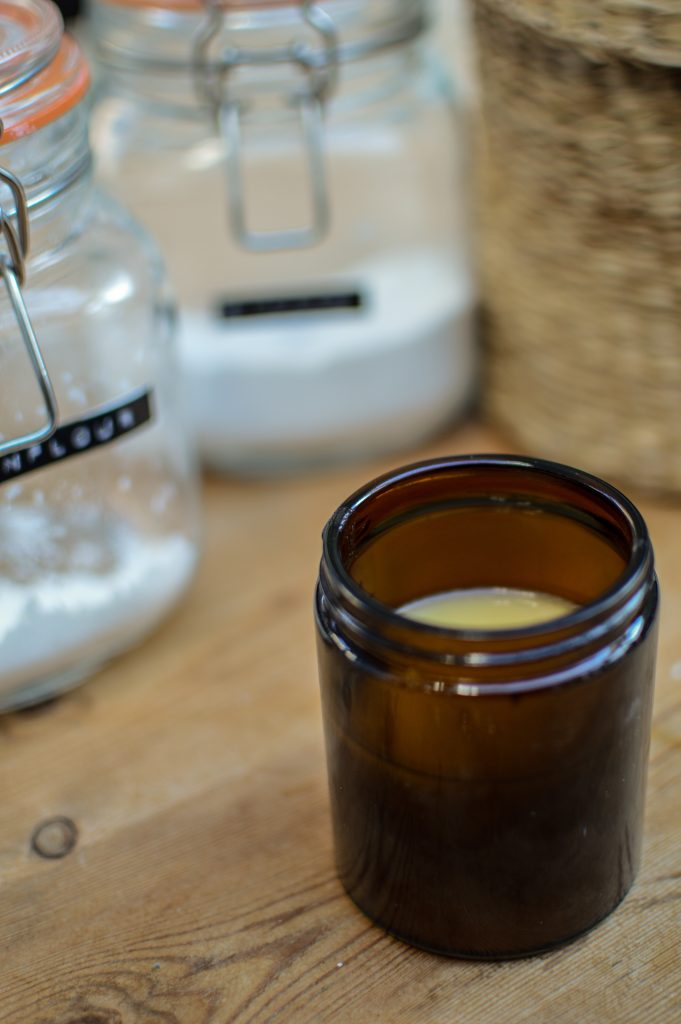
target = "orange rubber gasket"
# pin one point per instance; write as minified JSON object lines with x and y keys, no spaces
{"x":47,"y":95}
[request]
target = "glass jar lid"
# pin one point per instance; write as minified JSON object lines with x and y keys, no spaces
{"x":42,"y":72}
{"x":163,"y":29}
{"x":227,"y":6}
{"x":30,"y":33}
{"x":223,"y":5}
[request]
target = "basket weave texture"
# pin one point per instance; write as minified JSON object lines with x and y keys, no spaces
{"x":580,"y":186}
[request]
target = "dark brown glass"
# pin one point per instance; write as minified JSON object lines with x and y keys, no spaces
{"x":487,"y":788}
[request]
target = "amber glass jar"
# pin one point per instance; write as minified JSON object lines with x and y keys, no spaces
{"x":487,"y":787}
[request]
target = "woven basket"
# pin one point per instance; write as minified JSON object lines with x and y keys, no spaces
{"x":581,"y":230}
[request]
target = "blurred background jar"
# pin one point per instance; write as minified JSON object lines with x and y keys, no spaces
{"x":97,"y":494}
{"x":303,"y":167}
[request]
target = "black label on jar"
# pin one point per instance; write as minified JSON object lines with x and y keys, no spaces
{"x":234,"y":309}
{"x":78,"y":436}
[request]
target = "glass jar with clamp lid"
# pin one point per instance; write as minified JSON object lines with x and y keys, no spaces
{"x":97,"y":493}
{"x":302,"y":165}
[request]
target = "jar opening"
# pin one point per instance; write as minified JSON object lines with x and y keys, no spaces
{"x":510,"y":539}
{"x":488,"y":521}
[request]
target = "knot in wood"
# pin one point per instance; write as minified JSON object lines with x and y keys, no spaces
{"x":54,"y":838}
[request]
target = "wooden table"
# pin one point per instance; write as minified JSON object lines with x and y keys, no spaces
{"x":201,"y":888}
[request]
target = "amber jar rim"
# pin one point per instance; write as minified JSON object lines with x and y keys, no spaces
{"x":597,"y":622}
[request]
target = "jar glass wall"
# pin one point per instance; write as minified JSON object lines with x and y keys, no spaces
{"x":357,"y":342}
{"x":487,"y":787}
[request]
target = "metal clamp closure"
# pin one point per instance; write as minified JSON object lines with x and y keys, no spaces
{"x":320,"y":70}
{"x":13,"y":273}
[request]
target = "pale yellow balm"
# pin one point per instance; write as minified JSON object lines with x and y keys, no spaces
{"x":487,"y":608}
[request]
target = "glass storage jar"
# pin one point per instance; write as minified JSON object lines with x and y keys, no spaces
{"x":97,"y":493}
{"x":302,"y":165}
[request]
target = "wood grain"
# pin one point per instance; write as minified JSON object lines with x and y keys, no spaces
{"x":201,"y":887}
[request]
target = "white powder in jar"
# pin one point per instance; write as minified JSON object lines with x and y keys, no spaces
{"x":67,"y":622}
{"x":275,"y":389}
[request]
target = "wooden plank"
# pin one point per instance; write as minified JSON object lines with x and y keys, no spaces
{"x":201,"y":888}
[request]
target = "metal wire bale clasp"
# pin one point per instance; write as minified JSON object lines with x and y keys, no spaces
{"x":320,"y":68}
{"x":13,"y":272}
